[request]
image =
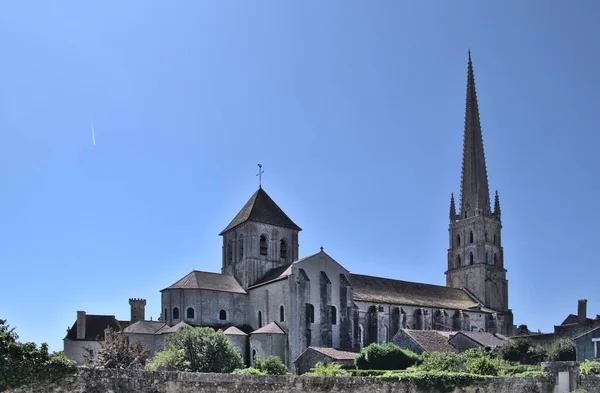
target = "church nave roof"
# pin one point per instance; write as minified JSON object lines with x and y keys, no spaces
{"x":209,"y":281}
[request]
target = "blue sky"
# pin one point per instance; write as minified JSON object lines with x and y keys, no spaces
{"x":354,"y":108}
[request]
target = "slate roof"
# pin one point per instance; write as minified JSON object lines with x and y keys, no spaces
{"x":275,"y":274}
{"x":386,"y":290}
{"x":174,"y":328}
{"x":94,"y":327}
{"x":261,"y":208}
{"x":486,"y":339}
{"x":430,"y":340}
{"x":233,"y":331}
{"x":335,"y":353}
{"x":145,"y":327}
{"x":272,"y":328}
{"x":210,"y":281}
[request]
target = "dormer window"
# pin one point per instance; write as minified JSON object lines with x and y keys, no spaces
{"x":282,"y":249}
{"x":263,"y":245}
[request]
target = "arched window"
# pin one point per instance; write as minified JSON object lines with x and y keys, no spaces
{"x":282,"y":249}
{"x":241,"y":247}
{"x":471,"y":258}
{"x":263,"y":245}
{"x":471,"y":237}
{"x":259,"y":319}
{"x":229,"y":251}
{"x":281,"y":314}
{"x":165,"y":316}
{"x":458,"y":240}
{"x":458,"y":261}
{"x":176,"y":313}
{"x":495,"y":259}
{"x":333,"y":312}
{"x":310,"y":313}
{"x":486,"y":236}
{"x":190,"y":313}
{"x":494,"y":239}
{"x":222,"y":315}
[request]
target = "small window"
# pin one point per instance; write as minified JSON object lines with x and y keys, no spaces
{"x":190,"y":313}
{"x":333,"y":314}
{"x":253,"y":354}
{"x":486,"y":236}
{"x":310,"y":313}
{"x":494,"y":239}
{"x":263,"y":245}
{"x":458,"y":240}
{"x":471,"y":258}
{"x":241,"y":247}
{"x":176,"y":313}
{"x":229,"y":251}
{"x":165,"y":317}
{"x":222,"y":315}
{"x":281,"y":314}
{"x":283,"y":249}
{"x":458,"y":261}
{"x":471,"y":237}
{"x":260,"y":319}
{"x":487,"y":257}
{"x":495,"y":259}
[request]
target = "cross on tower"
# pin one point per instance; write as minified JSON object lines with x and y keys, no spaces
{"x":259,"y":174}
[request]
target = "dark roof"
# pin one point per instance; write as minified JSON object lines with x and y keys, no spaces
{"x":430,"y":340}
{"x":272,"y":328}
{"x":386,"y":290}
{"x":335,"y":353}
{"x":210,"y":281}
{"x":275,"y":274}
{"x":261,"y":208}
{"x":486,"y":339}
{"x":94,"y":327}
{"x":572,"y":319}
{"x":145,"y":327}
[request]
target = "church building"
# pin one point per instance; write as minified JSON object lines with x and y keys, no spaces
{"x":273,"y":302}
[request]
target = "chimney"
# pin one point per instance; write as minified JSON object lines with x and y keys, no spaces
{"x":138,"y":309}
{"x":582,"y":311}
{"x":81,"y":325}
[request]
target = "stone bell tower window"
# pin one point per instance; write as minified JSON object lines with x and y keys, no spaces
{"x":471,"y":258}
{"x":283,"y":249}
{"x":458,"y":240}
{"x":241,"y":247}
{"x":471,"y":237}
{"x":263,"y":245}
{"x":458,"y":261}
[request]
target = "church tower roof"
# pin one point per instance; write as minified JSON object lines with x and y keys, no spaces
{"x":261,"y":208}
{"x":474,"y":189}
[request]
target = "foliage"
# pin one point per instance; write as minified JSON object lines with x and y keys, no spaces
{"x":249,"y":371}
{"x":171,"y":359}
{"x":327,"y":370}
{"x":25,"y":363}
{"x":368,"y":373}
{"x":385,"y":357}
{"x":562,"y":349}
{"x":116,"y":352}
{"x":435,"y":381}
{"x":519,"y":370}
{"x":483,"y":366}
{"x":271,"y":365}
{"x":522,"y":351}
{"x":204,"y":350}
{"x":589,"y":367}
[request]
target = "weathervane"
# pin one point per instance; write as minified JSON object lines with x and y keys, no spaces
{"x":259,"y":174}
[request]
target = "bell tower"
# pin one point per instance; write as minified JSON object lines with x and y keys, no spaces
{"x":475,"y":254}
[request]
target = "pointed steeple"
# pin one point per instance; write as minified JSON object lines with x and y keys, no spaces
{"x":452,"y":209}
{"x":497,"y":211}
{"x":474,"y":190}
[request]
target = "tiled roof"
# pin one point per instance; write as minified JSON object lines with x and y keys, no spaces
{"x":486,"y":339}
{"x":94,"y":327}
{"x":272,"y":328}
{"x":145,"y":327}
{"x":430,"y":340}
{"x":386,"y":290}
{"x":261,"y":208}
{"x":335,"y":353}
{"x":233,"y":331}
{"x":210,"y":281}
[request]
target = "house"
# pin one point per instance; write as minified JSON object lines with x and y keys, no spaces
{"x":588,"y":345}
{"x":312,"y":355}
{"x":86,"y":333}
{"x":419,"y":341}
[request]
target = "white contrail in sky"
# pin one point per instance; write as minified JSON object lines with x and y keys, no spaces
{"x":93,"y":134}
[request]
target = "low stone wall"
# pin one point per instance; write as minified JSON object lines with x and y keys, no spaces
{"x":119,"y":381}
{"x":589,"y":383}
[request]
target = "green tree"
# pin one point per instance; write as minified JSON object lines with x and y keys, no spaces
{"x":385,"y":357}
{"x":116,"y":352}
{"x":562,"y":349}
{"x":204,"y":350}
{"x":271,"y":365}
{"x":520,"y":351}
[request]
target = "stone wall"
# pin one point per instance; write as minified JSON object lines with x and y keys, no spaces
{"x":119,"y":381}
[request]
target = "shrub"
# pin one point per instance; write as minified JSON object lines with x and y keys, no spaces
{"x":368,"y":373}
{"x":171,"y":359}
{"x":483,"y":366}
{"x":249,"y":371}
{"x":562,"y":349}
{"x":589,"y":367}
{"x":435,"y":381}
{"x":271,"y":365}
{"x":327,"y":370}
{"x":521,"y":351}
{"x":385,"y":357}
{"x":442,"y":362}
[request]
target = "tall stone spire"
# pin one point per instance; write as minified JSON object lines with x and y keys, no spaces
{"x":474,"y":190}
{"x":452,"y":209}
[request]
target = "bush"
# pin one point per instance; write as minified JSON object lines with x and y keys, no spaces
{"x":249,"y":371}
{"x":521,"y":351}
{"x":562,"y":349}
{"x":171,"y":359}
{"x":435,"y":381}
{"x":271,"y":365}
{"x":385,"y":357}
{"x":327,"y":370}
{"x":368,"y":373}
{"x":442,"y":362}
{"x":588,"y":368}
{"x":483,"y":366}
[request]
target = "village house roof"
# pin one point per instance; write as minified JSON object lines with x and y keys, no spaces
{"x":145,"y":327}
{"x":333,"y":353}
{"x":271,"y":328}
{"x":430,"y":340}
{"x":233,"y":331}
{"x":209,"y":281}
{"x":485,"y":339}
{"x":261,"y":208}
{"x":94,"y":327}
{"x":173,"y":329}
{"x":387,"y":290}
